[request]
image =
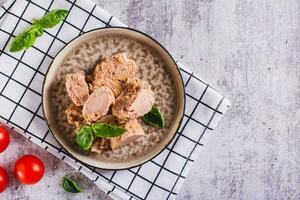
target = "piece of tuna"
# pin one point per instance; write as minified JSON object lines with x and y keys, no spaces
{"x":133,"y":132}
{"x":98,"y":103}
{"x":74,"y":116}
{"x":136,"y":100}
{"x":112,"y":71}
{"x":100,"y":145}
{"x":117,"y":67}
{"x":114,"y":85}
{"x":109,"y":119}
{"x":77,"y":87}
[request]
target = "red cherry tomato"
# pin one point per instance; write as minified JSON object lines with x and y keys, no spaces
{"x":4,"y":180}
{"x":4,"y":138}
{"x":29,"y":169}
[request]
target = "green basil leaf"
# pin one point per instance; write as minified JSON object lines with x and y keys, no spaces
{"x":107,"y":131}
{"x":26,"y":39}
{"x":85,"y":137}
{"x":53,"y":18}
{"x":155,"y":117}
{"x":70,"y":185}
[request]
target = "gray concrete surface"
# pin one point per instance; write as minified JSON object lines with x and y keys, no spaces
{"x":250,"y":50}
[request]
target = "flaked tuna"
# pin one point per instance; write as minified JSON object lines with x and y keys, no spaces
{"x":99,"y":145}
{"x":133,"y":132}
{"x":112,"y":95}
{"x":109,"y":119}
{"x":114,"y":85}
{"x":98,"y":103}
{"x":112,"y":71}
{"x":77,"y":87}
{"x":136,"y":100}
{"x":74,"y":116}
{"x":117,"y":67}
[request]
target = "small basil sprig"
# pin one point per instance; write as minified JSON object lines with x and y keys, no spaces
{"x":155,"y":117}
{"x":27,"y":38}
{"x":86,"y":134}
{"x":52,"y":18}
{"x":70,"y":185}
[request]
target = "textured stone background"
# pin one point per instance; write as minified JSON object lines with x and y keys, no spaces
{"x":250,"y":50}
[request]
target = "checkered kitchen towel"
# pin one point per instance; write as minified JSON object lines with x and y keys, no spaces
{"x":21,"y":77}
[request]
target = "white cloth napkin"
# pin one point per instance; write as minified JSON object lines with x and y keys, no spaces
{"x":21,"y":77}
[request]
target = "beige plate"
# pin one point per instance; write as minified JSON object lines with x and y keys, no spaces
{"x":169,"y":65}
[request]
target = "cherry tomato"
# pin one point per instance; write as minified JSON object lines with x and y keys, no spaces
{"x":4,"y":138}
{"x":29,"y":169}
{"x":4,"y":180}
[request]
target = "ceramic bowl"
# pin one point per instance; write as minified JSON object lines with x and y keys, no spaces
{"x":144,"y":41}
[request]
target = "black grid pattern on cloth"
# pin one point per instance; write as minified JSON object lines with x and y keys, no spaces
{"x":57,"y":149}
{"x":9,"y":5}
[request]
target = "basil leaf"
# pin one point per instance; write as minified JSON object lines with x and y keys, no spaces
{"x":52,"y":18}
{"x":70,"y":185}
{"x":107,"y":131}
{"x":85,"y":137}
{"x":155,"y":117}
{"x":26,"y":39}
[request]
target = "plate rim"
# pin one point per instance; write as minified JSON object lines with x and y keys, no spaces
{"x":181,"y":117}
